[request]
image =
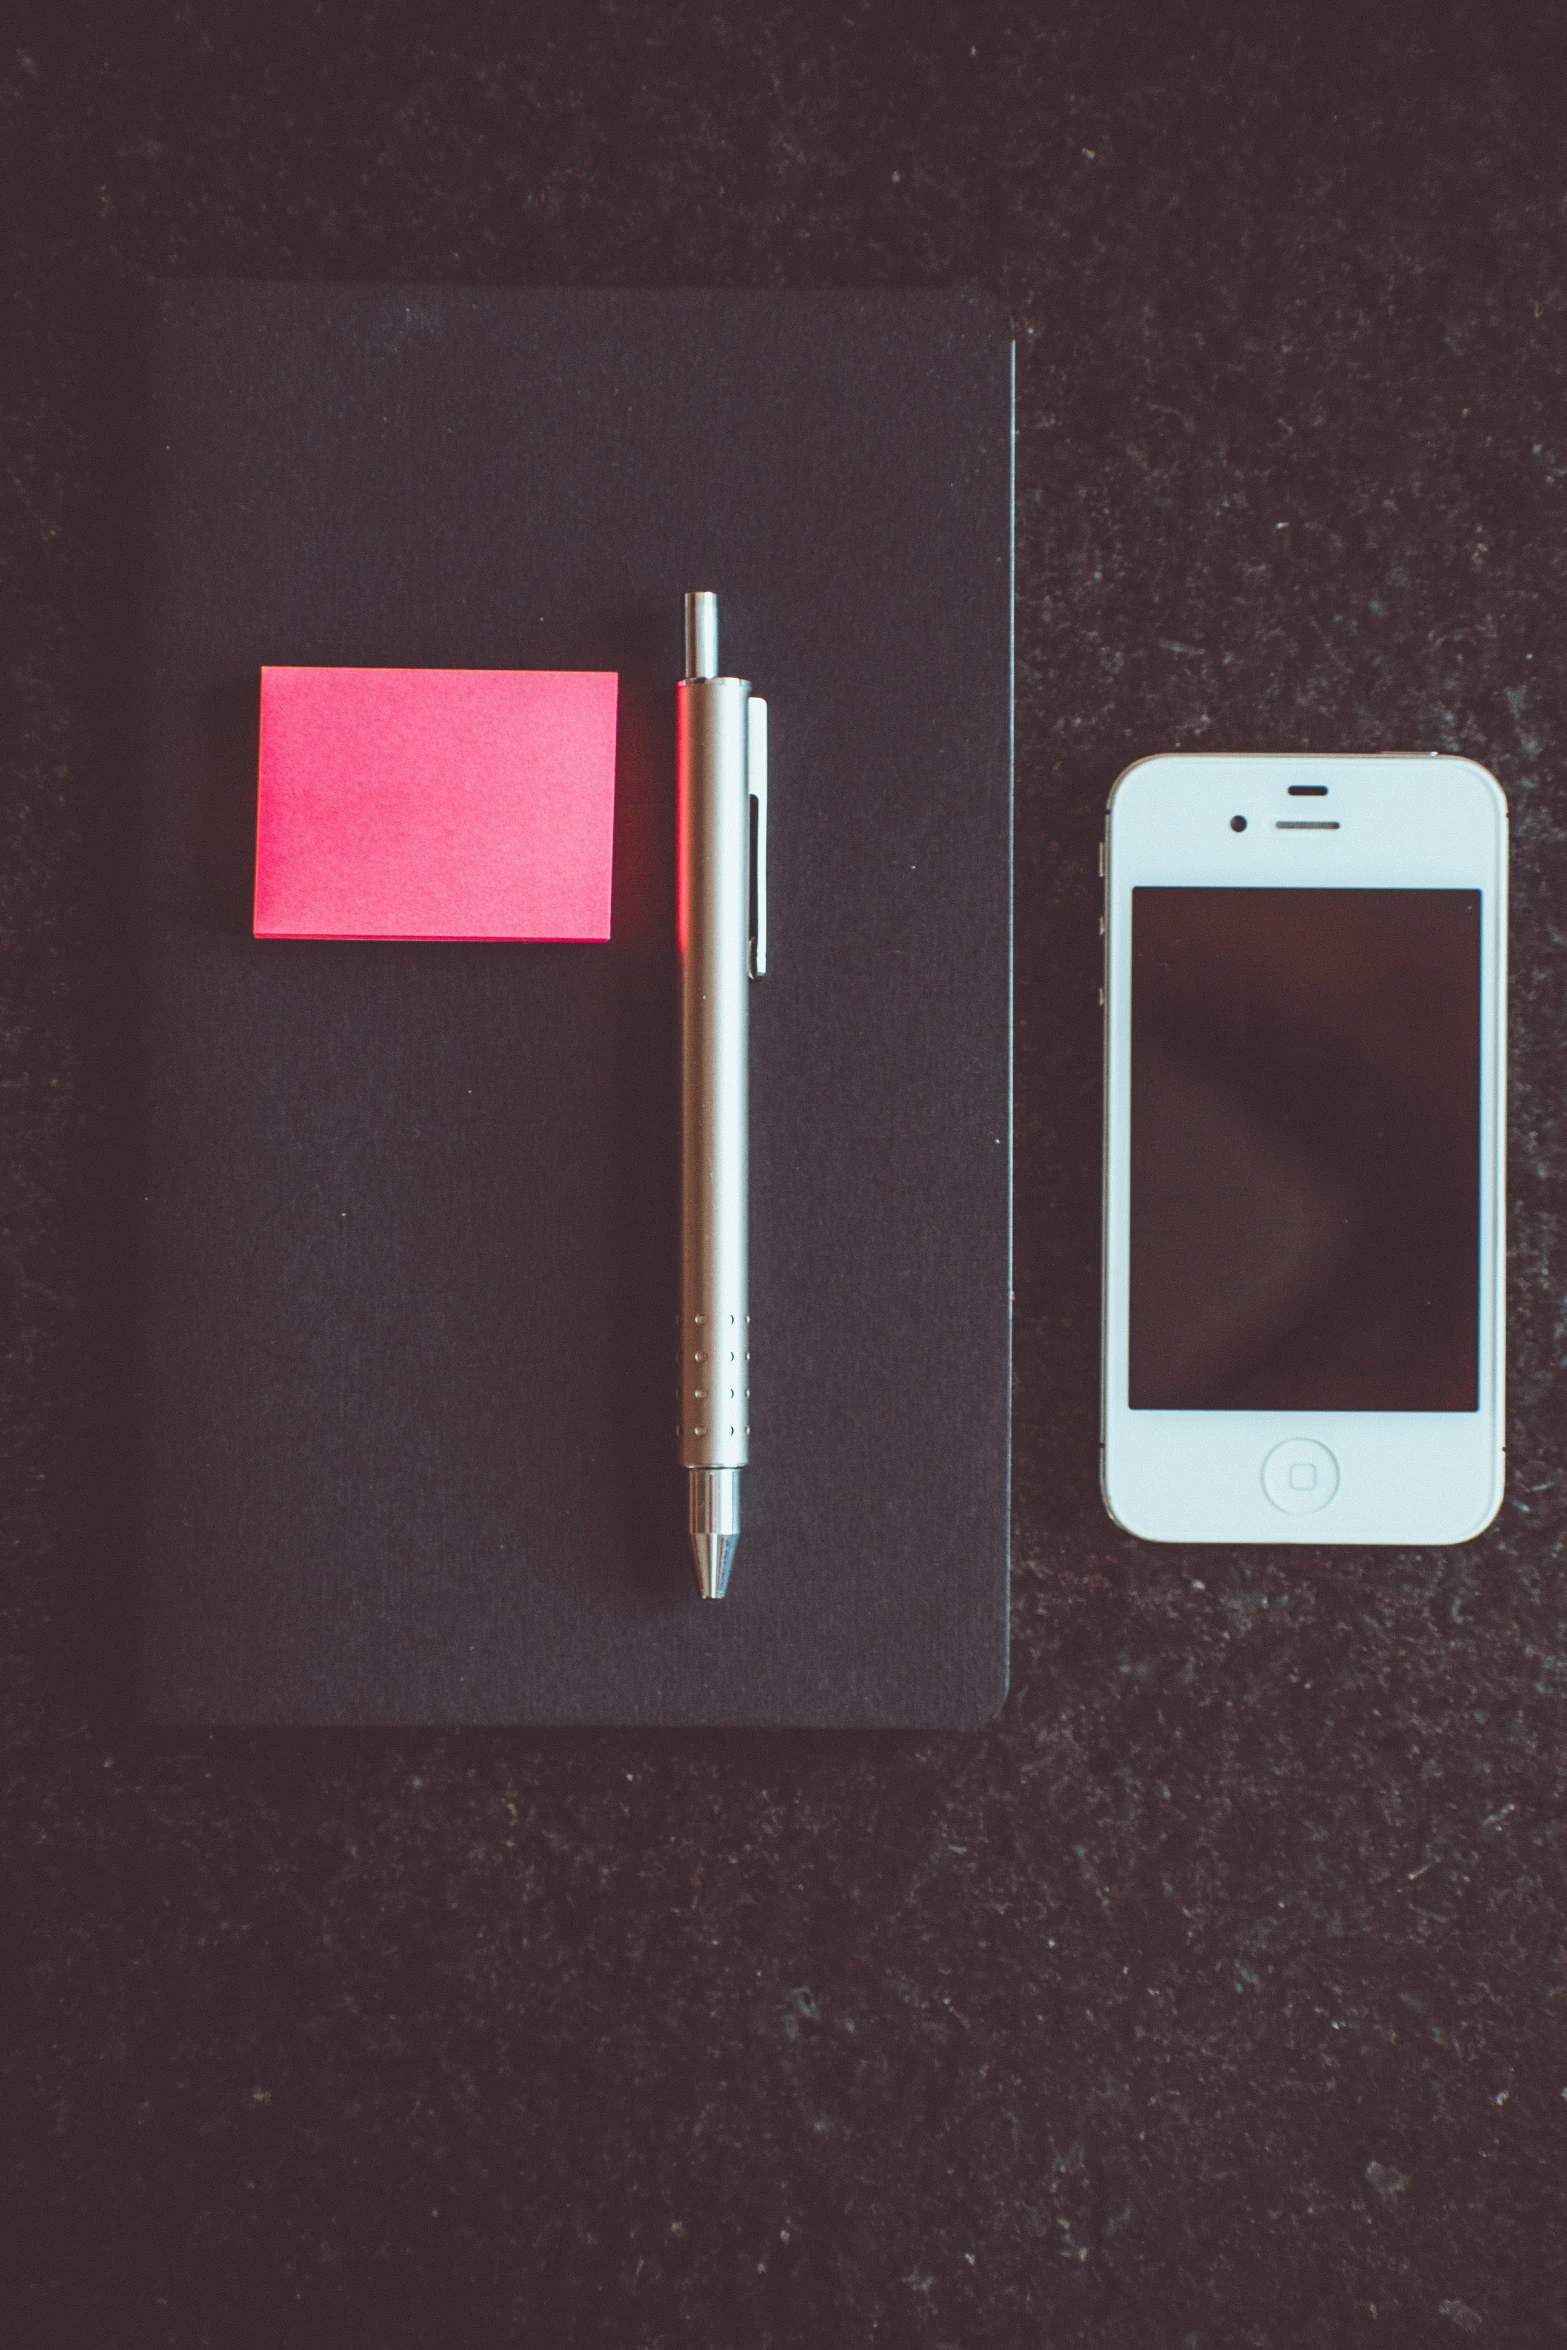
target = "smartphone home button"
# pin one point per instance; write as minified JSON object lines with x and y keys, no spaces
{"x":1300,"y":1475}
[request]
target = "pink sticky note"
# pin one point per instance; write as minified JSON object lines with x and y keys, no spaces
{"x":435,"y":803}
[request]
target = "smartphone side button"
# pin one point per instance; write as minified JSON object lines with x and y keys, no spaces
{"x":1300,"y":1475}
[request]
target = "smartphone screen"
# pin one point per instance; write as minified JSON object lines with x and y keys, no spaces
{"x":1305,"y":1150}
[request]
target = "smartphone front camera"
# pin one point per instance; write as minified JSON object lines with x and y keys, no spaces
{"x":1237,"y":824}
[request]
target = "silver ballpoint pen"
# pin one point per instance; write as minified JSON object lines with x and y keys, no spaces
{"x":721,"y":820}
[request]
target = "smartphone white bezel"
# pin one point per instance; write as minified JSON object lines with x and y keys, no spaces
{"x":1403,"y":822}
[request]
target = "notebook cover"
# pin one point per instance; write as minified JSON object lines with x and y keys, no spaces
{"x":405,"y":1213}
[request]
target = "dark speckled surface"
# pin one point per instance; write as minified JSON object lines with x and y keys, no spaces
{"x":1216,"y":1996}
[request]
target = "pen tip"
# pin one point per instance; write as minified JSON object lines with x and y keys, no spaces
{"x":714,"y":1555}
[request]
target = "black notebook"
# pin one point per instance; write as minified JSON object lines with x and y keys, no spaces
{"x":405,"y":1214}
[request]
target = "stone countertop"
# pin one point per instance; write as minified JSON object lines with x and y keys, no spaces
{"x":1216,"y":1994}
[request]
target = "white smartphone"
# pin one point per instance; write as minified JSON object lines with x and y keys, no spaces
{"x":1305,"y":1003}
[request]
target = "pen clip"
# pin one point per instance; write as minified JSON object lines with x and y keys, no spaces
{"x":756,"y":784}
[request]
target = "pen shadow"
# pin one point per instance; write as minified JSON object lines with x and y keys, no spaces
{"x":652,"y":1555}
